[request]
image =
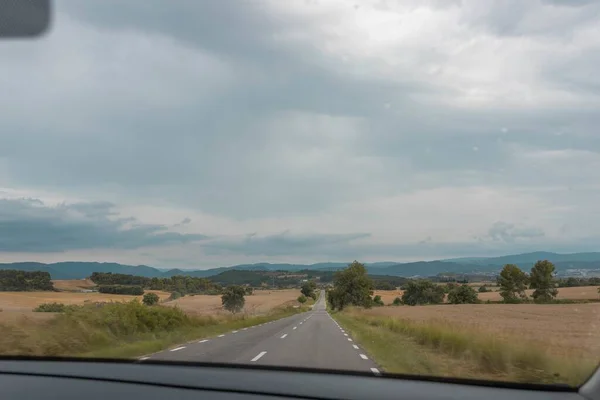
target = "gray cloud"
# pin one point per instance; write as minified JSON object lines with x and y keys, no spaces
{"x":508,"y":232}
{"x":285,"y":243}
{"x":291,"y":115}
{"x":27,"y":225}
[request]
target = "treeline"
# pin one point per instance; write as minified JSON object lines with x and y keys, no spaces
{"x":576,"y":282}
{"x":181,"y":284}
{"x":12,"y":280}
{"x":121,"y":289}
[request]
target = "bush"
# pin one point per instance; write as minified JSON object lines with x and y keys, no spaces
{"x":249,"y":291}
{"x":397,"y":301}
{"x":483,"y":289}
{"x":173,"y":296}
{"x":233,"y":299}
{"x":377,"y":301}
{"x":302,"y":299}
{"x":463,"y":294}
{"x":150,"y":299}
{"x":422,"y":292}
{"x":51,"y":307}
{"x":121,"y":289}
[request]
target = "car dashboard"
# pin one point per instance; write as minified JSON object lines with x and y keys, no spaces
{"x":116,"y":380}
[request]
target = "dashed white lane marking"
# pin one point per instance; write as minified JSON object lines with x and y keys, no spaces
{"x":203,"y":341}
{"x":234,"y":331}
{"x":143,"y":358}
{"x":349,"y":339}
{"x":221,"y":335}
{"x":262,"y":353}
{"x":245,"y":329}
{"x":283,"y":337}
{"x":375,"y":371}
{"x":355,"y":346}
{"x":300,"y":323}
{"x":345,"y":334}
{"x":295,"y":327}
{"x":178,"y":348}
{"x":364,"y":357}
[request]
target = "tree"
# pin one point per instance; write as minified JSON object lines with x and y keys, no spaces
{"x":463,"y":294}
{"x":150,"y":299}
{"x":542,"y":280}
{"x":302,"y":299}
{"x":512,"y":282}
{"x":308,"y":289}
{"x":233,"y":298}
{"x":422,"y":292}
{"x":397,"y":301}
{"x":351,"y":286}
{"x":377,"y":301}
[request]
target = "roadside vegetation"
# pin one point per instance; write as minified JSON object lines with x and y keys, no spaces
{"x":446,"y":348}
{"x":119,"y":329}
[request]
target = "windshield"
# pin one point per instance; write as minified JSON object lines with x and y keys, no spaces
{"x":382,"y":187}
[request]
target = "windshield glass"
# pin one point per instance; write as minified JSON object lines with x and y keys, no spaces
{"x":376,"y":186}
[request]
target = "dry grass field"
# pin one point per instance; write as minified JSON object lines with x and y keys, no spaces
{"x":565,"y":329}
{"x":388,"y":295}
{"x":73,"y":285}
{"x":570,"y":293}
{"x":260,"y":302}
{"x":18,"y":305}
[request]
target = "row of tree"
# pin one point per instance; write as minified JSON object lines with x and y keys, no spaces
{"x":352,"y":286}
{"x":12,"y":280}
{"x":181,"y":284}
{"x":513,"y":282}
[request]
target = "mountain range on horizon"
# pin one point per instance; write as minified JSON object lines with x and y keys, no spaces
{"x":465,"y":265}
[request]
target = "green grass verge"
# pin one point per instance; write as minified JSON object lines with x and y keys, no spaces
{"x":121,"y":330}
{"x":440,"y":349}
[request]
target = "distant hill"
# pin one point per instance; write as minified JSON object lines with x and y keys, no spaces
{"x":527,"y":259}
{"x":466,"y":265}
{"x":80,"y":270}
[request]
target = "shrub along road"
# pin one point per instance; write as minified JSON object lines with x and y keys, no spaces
{"x":311,"y":340}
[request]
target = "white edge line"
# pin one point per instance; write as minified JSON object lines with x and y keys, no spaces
{"x":203,"y":341}
{"x":355,"y":346}
{"x":345,"y":334}
{"x":364,"y":357}
{"x":295,"y":327}
{"x":262,"y":353}
{"x":234,"y":331}
{"x":177,"y":348}
{"x":143,"y":358}
{"x":221,"y":335}
{"x":283,"y":337}
{"x":349,"y":339}
{"x":375,"y":371}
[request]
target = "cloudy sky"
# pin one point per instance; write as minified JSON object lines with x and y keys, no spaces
{"x":196,"y":134}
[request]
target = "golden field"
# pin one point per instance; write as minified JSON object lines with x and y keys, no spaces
{"x":260,"y":302}
{"x":564,"y":329}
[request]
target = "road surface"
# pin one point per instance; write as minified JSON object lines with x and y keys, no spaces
{"x":311,"y":339}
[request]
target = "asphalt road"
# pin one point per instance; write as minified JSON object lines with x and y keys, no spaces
{"x":311,"y":339}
